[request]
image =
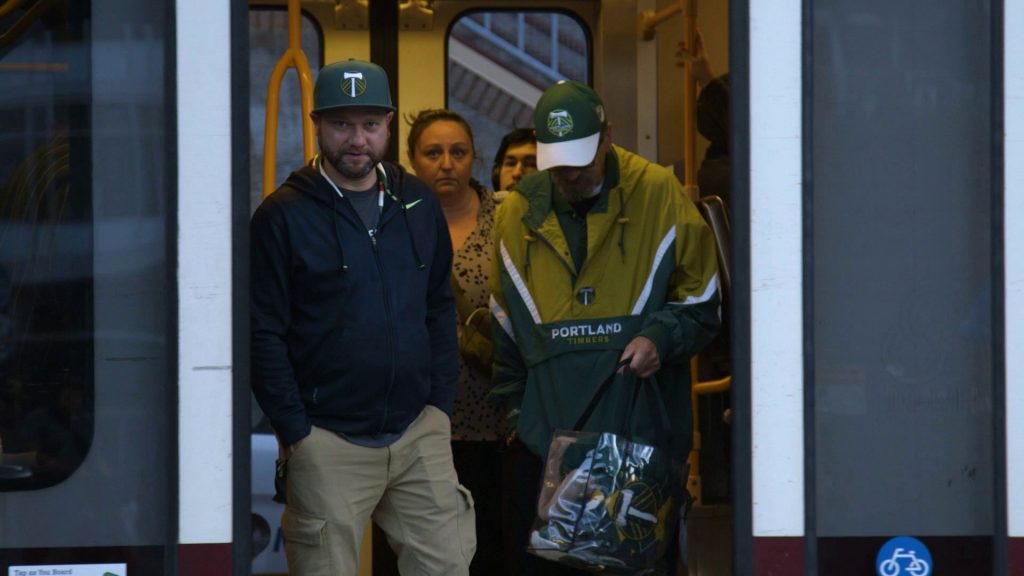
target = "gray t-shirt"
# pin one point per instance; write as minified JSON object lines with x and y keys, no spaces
{"x":367,"y":205}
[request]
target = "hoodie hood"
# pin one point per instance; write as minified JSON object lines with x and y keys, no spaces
{"x":309,"y":180}
{"x":312,"y":181}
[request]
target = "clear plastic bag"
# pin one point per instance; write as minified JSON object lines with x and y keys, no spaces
{"x":607,"y":504}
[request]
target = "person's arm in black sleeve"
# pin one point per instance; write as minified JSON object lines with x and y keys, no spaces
{"x":444,"y":346}
{"x":273,"y":379}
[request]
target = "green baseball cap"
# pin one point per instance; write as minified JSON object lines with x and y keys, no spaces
{"x":569,"y":118}
{"x":351,"y":83}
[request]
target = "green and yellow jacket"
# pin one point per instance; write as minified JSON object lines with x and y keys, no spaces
{"x":650,"y":269}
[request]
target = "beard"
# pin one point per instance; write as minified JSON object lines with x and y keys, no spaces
{"x":579,"y":190}
{"x":352,"y":170}
{"x":575,"y":193}
{"x":579,"y":184}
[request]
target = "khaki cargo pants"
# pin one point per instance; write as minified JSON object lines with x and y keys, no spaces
{"x":409,"y":488}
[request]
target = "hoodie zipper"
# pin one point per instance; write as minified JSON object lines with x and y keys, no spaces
{"x":372,"y":234}
{"x":392,"y":353}
{"x":390,"y":331}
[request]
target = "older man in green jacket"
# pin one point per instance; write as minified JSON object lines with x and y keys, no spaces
{"x":600,"y":258}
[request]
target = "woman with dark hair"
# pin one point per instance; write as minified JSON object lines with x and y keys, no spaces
{"x":441,"y":151}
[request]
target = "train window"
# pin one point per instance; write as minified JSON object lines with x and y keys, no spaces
{"x":499,"y":62}
{"x":268,"y":40}
{"x":46,"y":252}
{"x":86,"y":392}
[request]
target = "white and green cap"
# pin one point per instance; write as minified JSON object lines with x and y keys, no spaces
{"x":569,"y":118}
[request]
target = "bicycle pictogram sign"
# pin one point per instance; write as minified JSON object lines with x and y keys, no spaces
{"x":904,"y":556}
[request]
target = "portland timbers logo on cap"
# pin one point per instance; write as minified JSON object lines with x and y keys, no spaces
{"x":559,"y":123}
{"x":353,"y":84}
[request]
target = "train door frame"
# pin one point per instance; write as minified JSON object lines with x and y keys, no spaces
{"x":1009,"y":333}
{"x":740,"y":351}
{"x":212,"y":203}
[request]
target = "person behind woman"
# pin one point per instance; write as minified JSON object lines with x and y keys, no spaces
{"x":441,"y":151}
{"x":516,"y":157}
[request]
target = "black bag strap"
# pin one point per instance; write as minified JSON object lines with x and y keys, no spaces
{"x":654,"y":405}
{"x":462,"y":305}
{"x":601,"y":390}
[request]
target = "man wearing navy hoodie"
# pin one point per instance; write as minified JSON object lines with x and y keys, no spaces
{"x":354,"y":353}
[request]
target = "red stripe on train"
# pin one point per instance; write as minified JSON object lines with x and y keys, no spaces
{"x":783,"y":556}
{"x":204,"y":559}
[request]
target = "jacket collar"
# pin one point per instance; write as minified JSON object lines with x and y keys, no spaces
{"x":546,"y":198}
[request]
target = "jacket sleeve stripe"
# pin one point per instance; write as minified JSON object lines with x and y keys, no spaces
{"x":502,"y":318}
{"x":517,"y":280}
{"x":708,"y":292}
{"x":645,"y":294}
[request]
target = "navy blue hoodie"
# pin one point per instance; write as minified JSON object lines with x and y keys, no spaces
{"x":351,"y":333}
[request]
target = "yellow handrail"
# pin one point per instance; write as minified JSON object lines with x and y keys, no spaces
{"x":33,"y":13}
{"x":10,"y":6}
{"x":689,"y":103}
{"x":293,"y":57}
{"x":698,"y":389}
{"x":712,"y":386}
{"x":650,"y":19}
{"x":648,"y":22}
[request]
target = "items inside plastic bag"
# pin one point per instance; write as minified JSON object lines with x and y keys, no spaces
{"x":607,"y":504}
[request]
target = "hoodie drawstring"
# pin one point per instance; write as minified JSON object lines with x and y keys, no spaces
{"x":622,"y":221}
{"x":405,"y":217}
{"x":530,"y":239}
{"x":412,"y":242}
{"x":382,"y":174}
{"x":337,"y":235}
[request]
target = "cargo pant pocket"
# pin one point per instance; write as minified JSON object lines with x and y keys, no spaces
{"x":306,"y":544}
{"x":467,"y":523}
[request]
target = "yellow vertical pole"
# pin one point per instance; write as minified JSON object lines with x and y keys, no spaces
{"x":690,"y":103}
{"x":305,"y":77}
{"x":693,"y":483}
{"x":10,"y":6}
{"x":366,"y":552}
{"x":293,"y":57}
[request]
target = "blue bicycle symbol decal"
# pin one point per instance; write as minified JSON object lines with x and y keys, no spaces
{"x":911,"y":563}
{"x":904,"y":556}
